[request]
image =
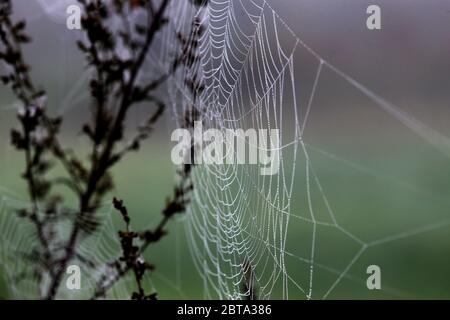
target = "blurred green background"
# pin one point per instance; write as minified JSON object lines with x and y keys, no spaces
{"x":372,"y":205}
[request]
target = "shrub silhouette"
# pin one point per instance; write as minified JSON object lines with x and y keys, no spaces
{"x":114,"y":89}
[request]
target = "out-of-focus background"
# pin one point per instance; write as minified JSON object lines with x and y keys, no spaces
{"x":387,"y":186}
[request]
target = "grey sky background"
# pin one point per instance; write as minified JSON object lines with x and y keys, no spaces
{"x":407,"y":62}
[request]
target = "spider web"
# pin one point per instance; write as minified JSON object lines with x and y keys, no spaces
{"x":239,"y":223}
{"x":18,"y":238}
